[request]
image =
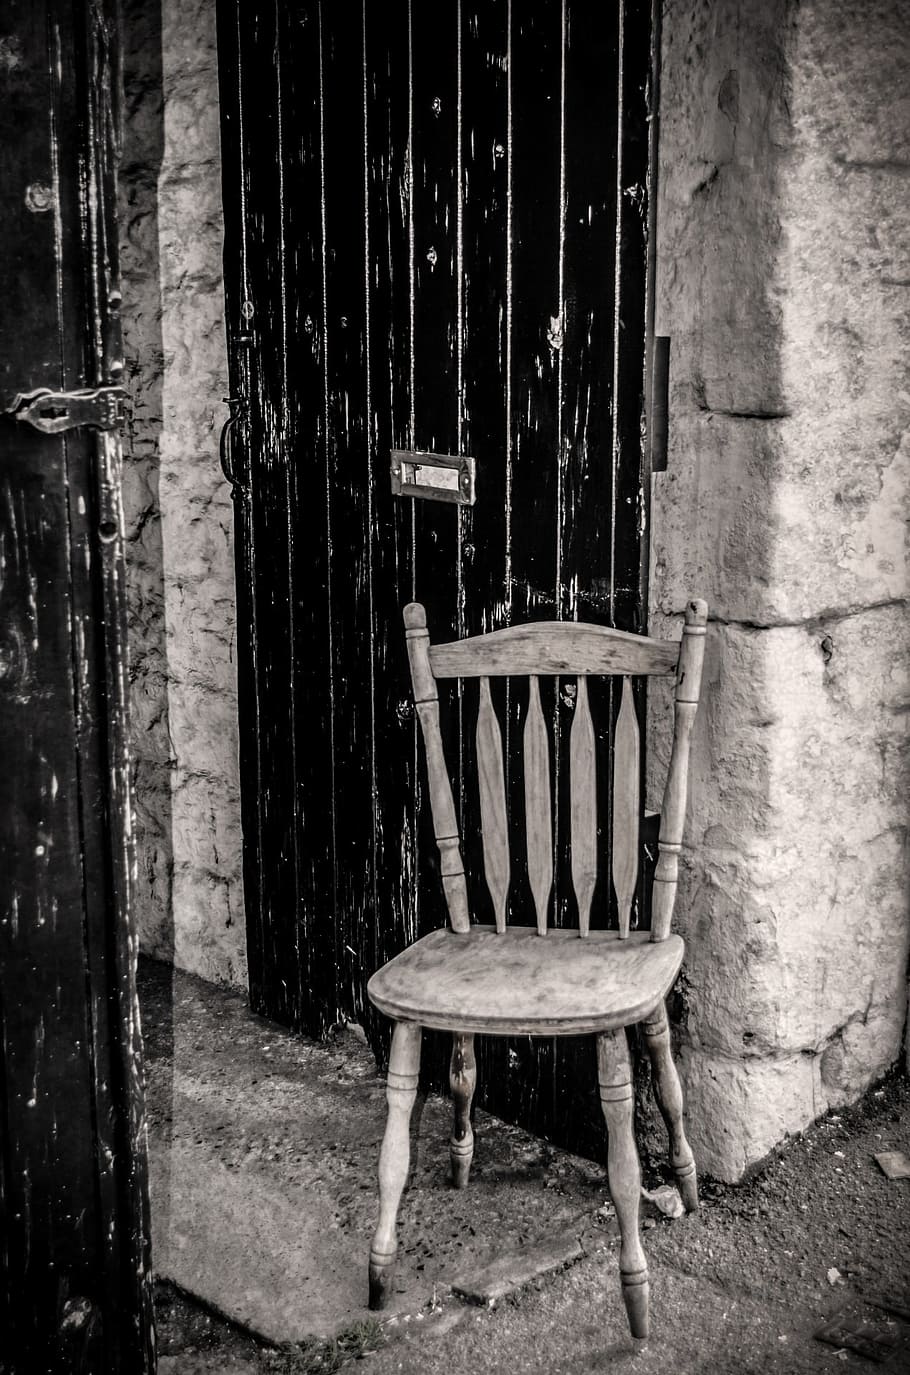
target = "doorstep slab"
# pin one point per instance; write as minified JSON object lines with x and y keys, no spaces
{"x":263,"y":1155}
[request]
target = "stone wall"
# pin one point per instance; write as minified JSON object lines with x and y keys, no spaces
{"x":178,"y":511}
{"x":784,"y":263}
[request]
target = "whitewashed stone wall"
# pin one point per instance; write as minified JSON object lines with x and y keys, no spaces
{"x":178,"y":511}
{"x":784,"y":267}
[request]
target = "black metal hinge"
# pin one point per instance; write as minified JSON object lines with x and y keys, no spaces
{"x":660,"y":402}
{"x":54,"y":412}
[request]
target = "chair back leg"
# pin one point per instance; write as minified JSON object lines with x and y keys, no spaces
{"x":395,"y":1156}
{"x":614,"y":1072}
{"x":462,"y":1083}
{"x":668,"y":1092}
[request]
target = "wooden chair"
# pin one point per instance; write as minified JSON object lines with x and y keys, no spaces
{"x":525,"y":980}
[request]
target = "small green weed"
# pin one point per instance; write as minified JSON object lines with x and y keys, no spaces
{"x":317,"y":1356}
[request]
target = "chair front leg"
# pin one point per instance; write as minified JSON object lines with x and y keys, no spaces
{"x":462,"y":1082}
{"x":624,"y":1172}
{"x":394,"y":1158}
{"x":668,"y":1092}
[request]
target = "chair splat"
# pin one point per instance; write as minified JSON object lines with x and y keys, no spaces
{"x":493,"y":815}
{"x":626,"y":775}
{"x":583,"y":806}
{"x":538,"y":821}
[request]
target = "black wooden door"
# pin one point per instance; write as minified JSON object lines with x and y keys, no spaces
{"x":436,"y":241}
{"x":75,"y":1283}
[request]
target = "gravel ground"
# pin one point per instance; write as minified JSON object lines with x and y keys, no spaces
{"x":738,"y":1289}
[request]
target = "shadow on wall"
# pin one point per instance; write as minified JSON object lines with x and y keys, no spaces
{"x":153,"y":757}
{"x":152,"y":750}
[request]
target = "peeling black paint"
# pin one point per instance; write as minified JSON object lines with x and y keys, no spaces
{"x":75,"y":1289}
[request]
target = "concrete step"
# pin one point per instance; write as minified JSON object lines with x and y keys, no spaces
{"x":264,"y":1149}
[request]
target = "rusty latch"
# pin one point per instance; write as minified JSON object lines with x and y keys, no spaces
{"x":53,"y":412}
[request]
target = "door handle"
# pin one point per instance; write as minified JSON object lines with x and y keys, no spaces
{"x":237,"y":408}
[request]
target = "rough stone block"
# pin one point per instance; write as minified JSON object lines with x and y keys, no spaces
{"x":203,"y":728}
{"x":209,"y":930}
{"x":188,"y":35}
{"x":205,"y":823}
{"x":737,"y":1111}
{"x":712,"y":526}
{"x":191,"y":120}
{"x":190,"y":231}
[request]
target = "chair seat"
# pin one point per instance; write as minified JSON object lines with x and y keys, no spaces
{"x":519,"y":983}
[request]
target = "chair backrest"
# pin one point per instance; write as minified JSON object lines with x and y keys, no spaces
{"x":556,"y":649}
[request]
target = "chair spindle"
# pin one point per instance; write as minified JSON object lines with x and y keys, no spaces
{"x":538,"y":823}
{"x":493,"y":817}
{"x":673,"y":811}
{"x":582,"y":759}
{"x":442,"y":805}
{"x":625,"y":806}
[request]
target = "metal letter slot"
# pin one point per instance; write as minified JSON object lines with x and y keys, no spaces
{"x":434,"y":477}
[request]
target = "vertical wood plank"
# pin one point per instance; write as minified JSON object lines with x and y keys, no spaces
{"x":435,"y":242}
{"x":582,"y":772}
{"x":591,"y":118}
{"x":96,"y":547}
{"x":46,"y":1038}
{"x":234,"y":147}
{"x":493,"y":816}
{"x":482,"y":203}
{"x":75,"y":1281}
{"x":538,"y":810}
{"x":536,"y":216}
{"x":270,"y":435}
{"x":436,"y":363}
{"x":628,"y":549}
{"x":350,"y":482}
{"x":626,"y":806}
{"x":386,"y":281}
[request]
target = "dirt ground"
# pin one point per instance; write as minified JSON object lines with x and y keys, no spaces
{"x":738,"y":1289}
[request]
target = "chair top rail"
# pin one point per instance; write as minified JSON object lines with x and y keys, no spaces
{"x":553,"y":648}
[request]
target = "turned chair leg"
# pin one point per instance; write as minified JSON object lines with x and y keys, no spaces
{"x":394,"y":1158}
{"x":668,"y":1092}
{"x":614,"y":1072}
{"x":462,"y":1082}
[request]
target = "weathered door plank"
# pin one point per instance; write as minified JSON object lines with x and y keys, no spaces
{"x":75,"y":1292}
{"x":388,"y":393}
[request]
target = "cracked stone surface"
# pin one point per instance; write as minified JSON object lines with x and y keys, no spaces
{"x":783,"y":261}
